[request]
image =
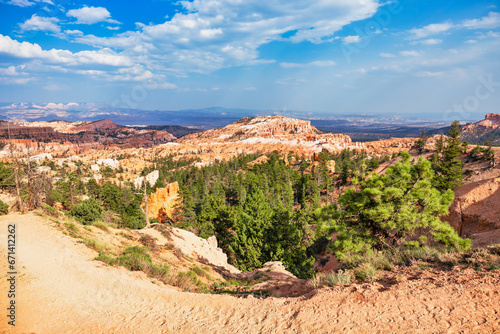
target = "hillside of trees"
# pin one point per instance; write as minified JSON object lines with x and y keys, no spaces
{"x":284,"y":208}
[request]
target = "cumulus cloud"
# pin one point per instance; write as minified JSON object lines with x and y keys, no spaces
{"x":430,"y":41}
{"x":34,"y":51}
{"x":351,"y":39}
{"x":431,"y":29}
{"x":39,"y":23}
{"x":323,"y":63}
{"x":387,"y":55}
{"x":91,"y":15}
{"x":27,"y":3}
{"x":428,"y":74}
{"x":411,"y":53}
{"x":12,"y":70}
{"x":14,"y":81}
{"x":209,"y":35}
{"x":318,"y":63}
{"x":487,"y":22}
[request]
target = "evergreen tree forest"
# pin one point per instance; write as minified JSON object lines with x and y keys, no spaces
{"x":263,"y":212}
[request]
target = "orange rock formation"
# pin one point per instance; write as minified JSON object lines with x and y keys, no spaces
{"x":161,"y":204}
{"x":475,"y":212}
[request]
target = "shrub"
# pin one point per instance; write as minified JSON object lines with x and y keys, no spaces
{"x":87,"y":212}
{"x":201,"y":272}
{"x":365,"y":271}
{"x":149,"y":242}
{"x":135,"y":258}
{"x":106,"y":258}
{"x":4,"y":208}
{"x":340,"y":277}
{"x":101,"y":225}
{"x":330,"y":279}
{"x":160,"y":272}
{"x":188,"y":281}
{"x":53,"y":212}
{"x":97,"y":245}
{"x":379,"y":260}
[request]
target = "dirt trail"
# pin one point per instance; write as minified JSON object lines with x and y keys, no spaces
{"x":62,"y":290}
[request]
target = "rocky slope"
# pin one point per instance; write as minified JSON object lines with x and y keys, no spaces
{"x":475,"y":212}
{"x":64,"y":291}
{"x":268,"y":129}
{"x":264,"y":134}
{"x":487,"y":129}
{"x":100,"y":133}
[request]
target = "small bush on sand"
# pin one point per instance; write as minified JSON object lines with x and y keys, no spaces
{"x":101,"y":225}
{"x":365,"y":271}
{"x":149,"y":242}
{"x":97,"y":245}
{"x":135,"y":258}
{"x":330,"y":279}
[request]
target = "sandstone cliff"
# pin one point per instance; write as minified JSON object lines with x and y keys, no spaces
{"x":487,"y":129}
{"x":85,"y":134}
{"x":475,"y":212}
{"x":273,"y":128}
{"x":161,"y":204}
{"x":265,"y":134}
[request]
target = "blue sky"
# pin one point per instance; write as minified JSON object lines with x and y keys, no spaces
{"x":328,"y":56}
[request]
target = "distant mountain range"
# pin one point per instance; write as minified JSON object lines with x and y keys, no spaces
{"x":477,"y":133}
{"x":361,"y":127}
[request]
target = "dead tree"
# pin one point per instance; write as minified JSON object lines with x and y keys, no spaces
{"x":145,"y":210}
{"x":30,"y":193}
{"x":16,"y":171}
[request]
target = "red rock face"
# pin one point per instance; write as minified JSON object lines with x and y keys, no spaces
{"x":493,"y":117}
{"x":104,"y":124}
{"x":475,"y":212}
{"x":104,"y":132}
{"x":491,"y":122}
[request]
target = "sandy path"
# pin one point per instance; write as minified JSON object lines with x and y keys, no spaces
{"x":62,"y":290}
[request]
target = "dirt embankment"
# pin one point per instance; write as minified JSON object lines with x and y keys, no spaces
{"x":62,"y":290}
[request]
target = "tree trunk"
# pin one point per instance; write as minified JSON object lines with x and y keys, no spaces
{"x":148,"y":225}
{"x":14,"y":161}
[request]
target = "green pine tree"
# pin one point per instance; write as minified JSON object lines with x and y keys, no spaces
{"x":387,"y":209}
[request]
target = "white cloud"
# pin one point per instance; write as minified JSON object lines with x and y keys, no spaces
{"x":489,"y":34}
{"x":430,"y":29}
{"x":210,"y":35}
{"x":113,"y":28}
{"x":27,"y":3}
{"x":431,"y":41}
{"x":91,"y":15}
{"x":34,"y":51}
{"x":318,"y":63}
{"x":387,"y":55}
{"x":39,"y":23}
{"x":411,"y":53}
{"x":290,"y":65}
{"x":488,"y":22}
{"x":351,"y":39}
{"x":12,"y":70}
{"x":73,"y":32}
{"x":54,"y":87}
{"x":471,"y":41}
{"x":428,"y":74}
{"x":322,"y":63}
{"x":291,"y":81}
